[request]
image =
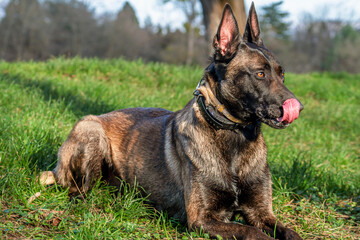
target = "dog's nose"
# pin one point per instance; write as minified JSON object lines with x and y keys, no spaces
{"x":301,"y":106}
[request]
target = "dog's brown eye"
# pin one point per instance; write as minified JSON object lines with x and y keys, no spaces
{"x":261,"y":74}
{"x":282,"y":75}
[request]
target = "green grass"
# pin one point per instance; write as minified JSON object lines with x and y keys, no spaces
{"x":315,"y":161}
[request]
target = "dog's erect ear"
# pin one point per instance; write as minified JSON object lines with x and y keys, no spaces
{"x":252,"y":29}
{"x":227,"y":37}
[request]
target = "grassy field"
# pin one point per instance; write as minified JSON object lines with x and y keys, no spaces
{"x":315,"y":161}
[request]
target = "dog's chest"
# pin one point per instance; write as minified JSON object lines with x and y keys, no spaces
{"x":251,"y":159}
{"x":243,"y":156}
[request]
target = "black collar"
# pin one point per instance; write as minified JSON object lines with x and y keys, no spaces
{"x":213,"y":117}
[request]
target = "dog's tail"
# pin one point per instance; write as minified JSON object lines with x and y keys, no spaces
{"x":47,"y":178}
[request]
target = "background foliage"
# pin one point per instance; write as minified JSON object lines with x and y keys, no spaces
{"x":39,"y":30}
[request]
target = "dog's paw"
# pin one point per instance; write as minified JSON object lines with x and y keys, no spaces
{"x":291,"y":235}
{"x":254,"y":233}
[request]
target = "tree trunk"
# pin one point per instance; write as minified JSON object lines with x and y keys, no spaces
{"x":212,"y":10}
{"x":191,"y":14}
{"x":190,"y":45}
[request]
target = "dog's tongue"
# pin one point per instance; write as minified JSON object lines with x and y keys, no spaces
{"x":291,"y":110}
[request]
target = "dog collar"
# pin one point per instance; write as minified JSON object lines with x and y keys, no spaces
{"x":216,"y":115}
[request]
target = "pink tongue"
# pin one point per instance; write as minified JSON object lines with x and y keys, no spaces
{"x":291,"y":109}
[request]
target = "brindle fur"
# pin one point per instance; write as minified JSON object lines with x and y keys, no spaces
{"x":197,"y":174}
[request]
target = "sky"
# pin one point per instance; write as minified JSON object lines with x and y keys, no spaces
{"x":168,"y":14}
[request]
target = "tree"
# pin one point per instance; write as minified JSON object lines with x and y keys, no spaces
{"x":344,"y":56}
{"x":125,"y":37}
{"x":191,"y":13}
{"x":212,"y":10}
{"x":275,"y":33}
{"x":73,"y":28}
{"x":24,"y":31}
{"x":272,"y":21}
{"x":313,"y":40}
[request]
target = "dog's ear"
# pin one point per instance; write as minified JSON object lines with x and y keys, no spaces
{"x":252,"y":29}
{"x":227,"y":37}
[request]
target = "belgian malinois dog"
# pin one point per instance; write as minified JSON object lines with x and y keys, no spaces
{"x":206,"y":162}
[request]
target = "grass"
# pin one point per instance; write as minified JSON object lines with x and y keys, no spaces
{"x":314,"y":162}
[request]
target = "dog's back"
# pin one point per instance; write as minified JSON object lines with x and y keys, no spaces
{"x":133,"y":144}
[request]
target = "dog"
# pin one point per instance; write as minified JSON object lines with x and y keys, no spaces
{"x":204,"y":163}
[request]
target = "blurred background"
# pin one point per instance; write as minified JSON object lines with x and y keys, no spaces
{"x":305,"y":35}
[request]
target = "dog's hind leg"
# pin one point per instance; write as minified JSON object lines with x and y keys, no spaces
{"x":82,"y":156}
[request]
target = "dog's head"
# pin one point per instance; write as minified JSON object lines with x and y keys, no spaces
{"x":247,"y":78}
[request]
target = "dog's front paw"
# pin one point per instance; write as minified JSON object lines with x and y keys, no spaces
{"x":291,"y":235}
{"x":254,"y":233}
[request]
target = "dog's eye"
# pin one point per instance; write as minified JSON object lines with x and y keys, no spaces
{"x":260,"y":74}
{"x":282,"y":75}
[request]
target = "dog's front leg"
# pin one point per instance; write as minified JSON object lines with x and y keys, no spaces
{"x":210,"y":211}
{"x":256,"y":206}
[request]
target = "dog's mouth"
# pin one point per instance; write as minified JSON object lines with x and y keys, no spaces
{"x":289,"y":111}
{"x":278,"y":123}
{"x":274,"y":122}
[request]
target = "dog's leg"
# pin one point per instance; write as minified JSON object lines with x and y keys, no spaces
{"x":81,"y":157}
{"x":208,"y":214}
{"x":256,"y":208}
